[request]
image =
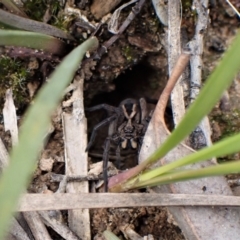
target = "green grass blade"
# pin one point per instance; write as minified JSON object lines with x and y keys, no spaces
{"x":226,"y":146}
{"x":31,"y":40}
{"x":32,"y":132}
{"x":110,"y":236}
{"x":184,"y":175}
{"x":18,"y":22}
{"x":12,"y":7}
{"x":219,"y":81}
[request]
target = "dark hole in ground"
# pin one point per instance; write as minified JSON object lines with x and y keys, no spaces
{"x":134,"y":83}
{"x":142,"y":81}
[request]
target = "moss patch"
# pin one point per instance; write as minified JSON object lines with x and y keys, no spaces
{"x":14,"y":74}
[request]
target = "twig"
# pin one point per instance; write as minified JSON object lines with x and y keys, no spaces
{"x":58,"y":177}
{"x":196,"y":46}
{"x":23,"y":52}
{"x":55,"y":223}
{"x":17,"y":231}
{"x":234,"y":9}
{"x":174,"y":51}
{"x":36,"y":225}
{"x":75,"y":136}
{"x":20,"y":218}
{"x":103,"y":49}
{"x":113,"y":22}
{"x":10,"y":117}
{"x":3,"y":156}
{"x":176,"y":72}
{"x":33,"y":202}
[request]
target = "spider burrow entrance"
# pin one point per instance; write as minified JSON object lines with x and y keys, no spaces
{"x":127,"y":124}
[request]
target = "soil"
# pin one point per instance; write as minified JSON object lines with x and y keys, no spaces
{"x":134,"y":66}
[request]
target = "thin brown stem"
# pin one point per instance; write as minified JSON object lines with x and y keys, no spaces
{"x":176,"y":73}
{"x":135,"y":10}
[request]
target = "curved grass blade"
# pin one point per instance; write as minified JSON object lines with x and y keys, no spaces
{"x":184,"y":175}
{"x":11,"y":6}
{"x":16,"y":177}
{"x":224,"y":147}
{"x":31,"y":40}
{"x":31,"y":25}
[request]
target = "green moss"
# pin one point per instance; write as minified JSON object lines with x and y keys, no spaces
{"x":128,"y":53}
{"x":188,"y":13}
{"x":36,"y":9}
{"x":14,"y":74}
{"x":155,"y":25}
{"x":229,"y":123}
{"x":186,"y":4}
{"x":62,"y":21}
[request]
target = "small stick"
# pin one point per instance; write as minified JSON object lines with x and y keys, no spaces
{"x":36,"y":225}
{"x":201,"y":137}
{"x":10,"y":117}
{"x":80,"y":178}
{"x":55,"y":223}
{"x":59,"y":201}
{"x":103,"y":49}
{"x":75,"y":136}
{"x":178,"y":69}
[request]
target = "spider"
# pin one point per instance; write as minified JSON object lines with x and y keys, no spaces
{"x":127,"y":126}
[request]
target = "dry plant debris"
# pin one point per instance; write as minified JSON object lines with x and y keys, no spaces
{"x":140,"y":40}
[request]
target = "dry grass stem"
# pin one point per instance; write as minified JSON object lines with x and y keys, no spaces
{"x":75,"y":136}
{"x":60,"y":201}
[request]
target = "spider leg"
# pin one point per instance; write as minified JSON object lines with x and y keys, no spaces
{"x":118,"y":155}
{"x":104,"y":106}
{"x":145,"y":118}
{"x":105,"y":163}
{"x":115,"y":138}
{"x":144,"y":112}
{"x":99,"y":125}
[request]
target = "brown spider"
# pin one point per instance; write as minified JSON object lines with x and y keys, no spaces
{"x":127,"y":125}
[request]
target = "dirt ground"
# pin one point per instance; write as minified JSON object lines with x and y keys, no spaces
{"x":135,"y":66}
